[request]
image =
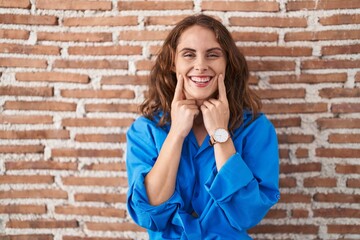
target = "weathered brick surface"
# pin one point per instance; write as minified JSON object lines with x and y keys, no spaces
{"x":72,"y":75}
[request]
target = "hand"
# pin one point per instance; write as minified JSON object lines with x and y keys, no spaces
{"x":183,"y":111}
{"x":216,"y":113}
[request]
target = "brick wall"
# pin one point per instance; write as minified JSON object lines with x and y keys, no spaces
{"x":74,"y":71}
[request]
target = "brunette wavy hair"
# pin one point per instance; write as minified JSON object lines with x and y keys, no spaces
{"x":163,"y":79}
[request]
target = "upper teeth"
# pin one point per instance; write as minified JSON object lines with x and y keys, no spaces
{"x":200,"y":79}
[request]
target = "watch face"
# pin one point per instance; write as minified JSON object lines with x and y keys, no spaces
{"x":221,"y":135}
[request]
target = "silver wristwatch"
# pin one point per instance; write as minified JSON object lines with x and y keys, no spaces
{"x":220,"y":135}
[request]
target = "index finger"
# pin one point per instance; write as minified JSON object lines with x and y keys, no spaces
{"x":222,"y":88}
{"x":178,"y":94}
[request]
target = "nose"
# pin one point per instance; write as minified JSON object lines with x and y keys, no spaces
{"x":201,"y":64}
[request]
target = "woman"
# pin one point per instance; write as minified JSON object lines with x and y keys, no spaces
{"x":202,"y":161}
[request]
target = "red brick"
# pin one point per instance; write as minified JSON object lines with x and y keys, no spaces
{"x":100,"y":197}
{"x":271,"y":108}
{"x":309,"y":78}
{"x":302,"y":167}
{"x":25,"y":119}
{"x":337,"y":213}
{"x":280,"y":22}
{"x":74,"y":37}
{"x":294,"y":198}
{"x":101,"y":21}
{"x":339,"y":92}
{"x":23,"y":209}
{"x":104,"y":107}
{"x":29,"y":49}
{"x":92,"y":211}
{"x":73,"y":5}
{"x":345,"y":108}
{"x":338,"y":152}
{"x":123,"y":80}
{"x":295,"y":138}
{"x":35,"y":224}
{"x":347,"y":169}
{"x":155,"y":5}
{"x":284,"y":153}
{"x":340,"y":19}
{"x":116,"y":138}
{"x":95,"y":181}
{"x":288,"y":182}
{"x":329,"y":64}
{"x":40,"y":165}
{"x":344,"y":138}
{"x":280,"y":93}
{"x":28,"y":19}
{"x":118,"y":94}
{"x":299,"y":213}
{"x":353,"y":183}
{"x":143,"y":35}
{"x":255,"y":36}
{"x":15,"y":4}
{"x":52,"y":77}
{"x":323,"y":35}
{"x":14,"y":34}
{"x":302,"y":153}
{"x":97,"y":122}
{"x":321,"y":4}
{"x":35,"y":134}
{"x":40,"y":105}
{"x":283,"y":228}
{"x":94,"y":64}
{"x":343,"y":229}
{"x":37,"y":193}
{"x":276,"y":214}
{"x":286,"y":122}
{"x":107,"y":50}
{"x":26,"y":179}
{"x":144,"y":65}
{"x":21,"y":149}
{"x":26,"y":91}
{"x":22,"y":62}
{"x":105,"y":167}
{"x":347,"y":49}
{"x":357,"y":77}
{"x":255,"y":6}
{"x":120,"y":227}
{"x":276,"y":51}
{"x":28,"y":237}
{"x":88,"y":153}
{"x":93,"y":238}
{"x":319,"y":182}
{"x":337,"y":197}
{"x":163,"y":20}
{"x":266,"y":65}
{"x":326,"y":123}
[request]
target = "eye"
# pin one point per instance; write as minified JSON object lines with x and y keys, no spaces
{"x":188,"y":55}
{"x":213,"y":55}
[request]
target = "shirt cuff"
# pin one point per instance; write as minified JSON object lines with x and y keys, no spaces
{"x":233,"y":176}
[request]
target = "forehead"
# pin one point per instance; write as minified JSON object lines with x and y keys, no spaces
{"x":198,"y":37}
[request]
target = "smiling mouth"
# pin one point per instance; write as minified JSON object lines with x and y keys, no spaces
{"x":200,"y":80}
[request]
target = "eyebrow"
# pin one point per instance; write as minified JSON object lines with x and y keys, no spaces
{"x":209,"y":50}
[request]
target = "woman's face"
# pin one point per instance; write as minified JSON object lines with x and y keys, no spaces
{"x":199,"y":59}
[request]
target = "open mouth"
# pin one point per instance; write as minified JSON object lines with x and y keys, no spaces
{"x":201,"y":80}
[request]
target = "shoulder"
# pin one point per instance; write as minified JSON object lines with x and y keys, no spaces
{"x":254,"y":123}
{"x":145,"y":129}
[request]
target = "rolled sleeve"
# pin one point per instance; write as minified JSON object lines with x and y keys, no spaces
{"x":233,"y":176}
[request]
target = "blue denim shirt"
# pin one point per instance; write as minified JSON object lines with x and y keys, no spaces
{"x":228,"y":202}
